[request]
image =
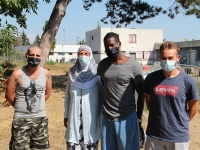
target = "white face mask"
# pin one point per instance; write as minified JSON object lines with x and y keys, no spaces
{"x":168,"y":65}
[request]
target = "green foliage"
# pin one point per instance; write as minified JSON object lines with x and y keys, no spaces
{"x":19,"y":8}
{"x":24,"y":38}
{"x":118,"y":11}
{"x":66,"y":73}
{"x":8,"y":64}
{"x":50,"y":62}
{"x":37,"y":40}
{"x":81,"y":42}
{"x":98,"y":25}
{"x":25,"y":62}
{"x":2,"y":86}
{"x":127,"y":11}
{"x":7,"y":39}
{"x":189,"y":7}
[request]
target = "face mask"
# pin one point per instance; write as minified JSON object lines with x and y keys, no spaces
{"x":33,"y":62}
{"x":168,"y":65}
{"x":113,"y":52}
{"x":84,"y":61}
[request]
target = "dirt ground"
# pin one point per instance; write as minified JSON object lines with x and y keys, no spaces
{"x":55,"y":109}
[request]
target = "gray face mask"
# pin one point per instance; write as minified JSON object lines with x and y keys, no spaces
{"x":33,"y":62}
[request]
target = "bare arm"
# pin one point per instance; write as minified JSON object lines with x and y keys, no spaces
{"x":48,"y":84}
{"x":193,"y":108}
{"x":148,"y":100}
{"x":13,"y":82}
{"x":140,"y":101}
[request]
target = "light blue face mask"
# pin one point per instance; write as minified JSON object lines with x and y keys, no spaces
{"x":168,"y":65}
{"x":84,"y":61}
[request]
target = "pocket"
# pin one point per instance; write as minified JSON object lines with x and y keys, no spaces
{"x":122,"y":79}
{"x":20,"y":121}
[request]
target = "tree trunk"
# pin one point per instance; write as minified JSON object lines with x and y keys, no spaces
{"x":51,"y":28}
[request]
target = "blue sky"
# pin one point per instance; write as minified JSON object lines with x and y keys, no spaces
{"x":77,"y":21}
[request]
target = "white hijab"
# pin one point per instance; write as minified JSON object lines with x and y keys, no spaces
{"x":84,"y":77}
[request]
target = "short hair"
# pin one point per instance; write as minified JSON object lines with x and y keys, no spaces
{"x":169,"y":45}
{"x":110,"y":35}
{"x":35,"y":46}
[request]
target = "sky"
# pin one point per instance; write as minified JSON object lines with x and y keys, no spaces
{"x":77,"y":21}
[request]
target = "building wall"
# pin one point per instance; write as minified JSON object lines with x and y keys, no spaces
{"x":137,"y":42}
{"x":189,"y":51}
{"x":64,"y":52}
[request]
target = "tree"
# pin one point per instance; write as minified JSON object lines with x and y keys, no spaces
{"x":81,"y":42}
{"x":24,"y":38}
{"x":8,"y":38}
{"x":118,"y":11}
{"x":18,"y":9}
{"x":118,"y":26}
{"x":18,"y":41}
{"x":98,"y":25}
{"x":54,"y":42}
{"x":37,"y":40}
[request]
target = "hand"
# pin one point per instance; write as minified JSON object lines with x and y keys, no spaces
{"x":65,"y":122}
{"x":142,"y":137}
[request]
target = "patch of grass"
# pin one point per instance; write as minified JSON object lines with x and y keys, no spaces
{"x":50,"y":62}
{"x":58,"y":68}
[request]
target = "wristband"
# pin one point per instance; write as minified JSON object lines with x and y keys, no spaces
{"x":139,"y":120}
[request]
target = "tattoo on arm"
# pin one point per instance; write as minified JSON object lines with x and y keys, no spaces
{"x":48,"y":77}
{"x":16,"y":81}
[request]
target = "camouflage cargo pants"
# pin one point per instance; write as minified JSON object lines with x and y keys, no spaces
{"x":29,"y":133}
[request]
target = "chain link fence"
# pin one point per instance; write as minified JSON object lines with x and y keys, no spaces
{"x":16,"y":56}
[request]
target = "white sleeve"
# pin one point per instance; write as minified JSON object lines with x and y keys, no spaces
{"x":67,"y":99}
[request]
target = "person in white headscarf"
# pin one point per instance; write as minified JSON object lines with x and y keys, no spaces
{"x":83,"y":103}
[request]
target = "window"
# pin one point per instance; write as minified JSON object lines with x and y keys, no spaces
{"x":132,"y":38}
{"x":139,"y":55}
{"x":94,"y":52}
{"x":51,"y":53}
{"x":70,"y":53}
{"x":92,"y":37}
{"x":61,"y":54}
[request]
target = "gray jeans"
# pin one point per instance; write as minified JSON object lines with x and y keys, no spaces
{"x":155,"y":144}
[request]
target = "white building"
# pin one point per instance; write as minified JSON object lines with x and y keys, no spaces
{"x":137,"y":43}
{"x":64,"y":53}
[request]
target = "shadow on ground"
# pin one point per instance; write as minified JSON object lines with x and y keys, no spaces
{"x":59,"y":82}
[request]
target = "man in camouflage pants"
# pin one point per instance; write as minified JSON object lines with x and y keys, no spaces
{"x":28,"y":89}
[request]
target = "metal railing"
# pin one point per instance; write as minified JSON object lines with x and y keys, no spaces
{"x":191,"y":70}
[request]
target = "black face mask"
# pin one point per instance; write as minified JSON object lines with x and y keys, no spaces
{"x":33,"y":62}
{"x":113,"y":52}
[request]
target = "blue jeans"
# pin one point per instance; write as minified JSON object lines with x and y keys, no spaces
{"x":121,"y":134}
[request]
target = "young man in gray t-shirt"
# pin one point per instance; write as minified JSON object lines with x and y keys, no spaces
{"x":121,"y":76}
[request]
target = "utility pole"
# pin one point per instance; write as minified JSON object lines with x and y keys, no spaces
{"x":64,"y":36}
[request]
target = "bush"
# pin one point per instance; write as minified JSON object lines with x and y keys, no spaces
{"x":50,"y":62}
{"x":8,"y":64}
{"x":66,"y":73}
